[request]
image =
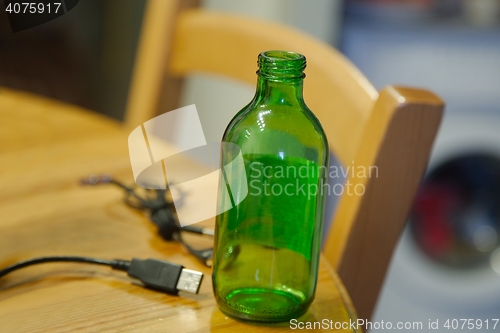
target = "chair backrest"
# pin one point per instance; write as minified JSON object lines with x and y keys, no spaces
{"x":388,"y":133}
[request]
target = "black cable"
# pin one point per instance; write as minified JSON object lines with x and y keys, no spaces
{"x":116,"y":264}
{"x":161,"y":212}
{"x":205,"y":255}
{"x":156,"y":274}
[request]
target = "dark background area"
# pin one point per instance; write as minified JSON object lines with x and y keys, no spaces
{"x":84,"y":57}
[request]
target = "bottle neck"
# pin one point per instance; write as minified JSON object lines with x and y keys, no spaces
{"x":281,"y":74}
{"x":279,"y":92}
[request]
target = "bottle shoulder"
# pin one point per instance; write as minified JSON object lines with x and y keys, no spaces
{"x":277,"y":129}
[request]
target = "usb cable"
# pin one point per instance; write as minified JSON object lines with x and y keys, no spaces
{"x":155,"y":274}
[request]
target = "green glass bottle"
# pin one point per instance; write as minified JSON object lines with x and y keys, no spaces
{"x":267,"y":246}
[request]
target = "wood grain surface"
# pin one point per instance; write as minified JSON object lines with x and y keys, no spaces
{"x":46,"y":147}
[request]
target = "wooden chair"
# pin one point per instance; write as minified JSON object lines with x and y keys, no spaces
{"x":392,"y":129}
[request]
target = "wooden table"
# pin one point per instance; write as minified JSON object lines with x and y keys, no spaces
{"x":46,"y":147}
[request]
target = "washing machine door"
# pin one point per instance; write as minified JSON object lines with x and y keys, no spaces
{"x":447,"y":264}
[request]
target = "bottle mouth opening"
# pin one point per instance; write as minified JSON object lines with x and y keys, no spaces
{"x":280,"y":56}
{"x":281,"y":65}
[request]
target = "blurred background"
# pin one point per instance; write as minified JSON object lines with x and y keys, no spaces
{"x":447,"y":264}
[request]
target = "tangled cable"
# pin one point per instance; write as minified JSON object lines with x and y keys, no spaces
{"x":161,"y":211}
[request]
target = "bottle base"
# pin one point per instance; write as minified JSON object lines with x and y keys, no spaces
{"x":262,"y":305}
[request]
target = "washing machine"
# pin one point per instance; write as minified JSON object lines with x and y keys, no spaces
{"x":446,"y":266}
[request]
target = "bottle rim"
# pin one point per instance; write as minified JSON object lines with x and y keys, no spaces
{"x":277,"y":65}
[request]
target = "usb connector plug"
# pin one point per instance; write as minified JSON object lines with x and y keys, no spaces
{"x":165,"y":276}
{"x":156,"y":274}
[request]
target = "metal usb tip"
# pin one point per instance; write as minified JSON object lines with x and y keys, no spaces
{"x":189,"y":281}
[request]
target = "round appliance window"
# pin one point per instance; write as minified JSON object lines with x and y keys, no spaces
{"x":456,"y":214}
